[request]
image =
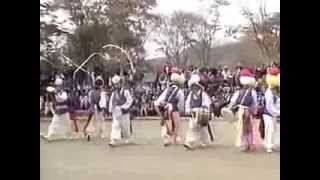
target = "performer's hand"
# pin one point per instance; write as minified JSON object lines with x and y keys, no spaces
{"x":124,"y":111}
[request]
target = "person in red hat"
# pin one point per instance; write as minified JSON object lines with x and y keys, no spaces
{"x":244,"y":102}
{"x":272,"y":107}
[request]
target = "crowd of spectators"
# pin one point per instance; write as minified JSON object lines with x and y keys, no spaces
{"x":220,"y":83}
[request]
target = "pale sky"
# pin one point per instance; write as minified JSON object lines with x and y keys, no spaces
{"x":230,"y":15}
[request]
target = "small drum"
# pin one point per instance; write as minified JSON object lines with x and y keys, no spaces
{"x":202,"y":116}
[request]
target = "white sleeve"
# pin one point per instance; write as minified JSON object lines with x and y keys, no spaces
{"x":62,"y":97}
{"x":187,"y":105}
{"x":181,"y":100}
{"x":272,"y":107}
{"x":255,"y":98}
{"x":206,"y":101}
{"x":161,"y":98}
{"x":129,"y":100}
{"x":103,"y":100}
{"x":234,"y":98}
{"x":111,"y":102}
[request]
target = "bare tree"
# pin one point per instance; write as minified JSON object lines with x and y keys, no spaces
{"x":175,"y":35}
{"x":265,"y":30}
{"x":206,"y":31}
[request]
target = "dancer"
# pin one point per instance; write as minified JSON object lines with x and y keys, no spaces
{"x":60,"y":127}
{"x":97,"y":127}
{"x":73,"y":115}
{"x":198,"y":105}
{"x":244,"y":102}
{"x":119,"y":105}
{"x":272,"y":107}
{"x":169,"y":105}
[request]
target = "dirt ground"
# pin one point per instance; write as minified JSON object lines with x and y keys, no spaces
{"x":81,"y":160}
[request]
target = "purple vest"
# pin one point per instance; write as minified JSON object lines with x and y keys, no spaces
{"x":120,"y":99}
{"x":171,"y":97}
{"x":245,"y":98}
{"x":196,"y":102}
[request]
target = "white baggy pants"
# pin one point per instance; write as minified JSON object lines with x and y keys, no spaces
{"x":196,"y":132}
{"x":120,"y":127}
{"x":97,"y":127}
{"x":60,"y":126}
{"x":270,"y":129}
{"x":239,"y":128}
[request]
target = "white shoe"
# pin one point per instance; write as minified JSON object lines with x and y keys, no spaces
{"x":166,"y":143}
{"x":203,"y":145}
{"x":188,"y":146}
{"x":178,"y":140}
{"x":128,"y":141}
{"x":112,"y":143}
{"x":269,"y":150}
{"x":103,"y":137}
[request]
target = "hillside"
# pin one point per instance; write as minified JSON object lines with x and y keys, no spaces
{"x":229,"y":54}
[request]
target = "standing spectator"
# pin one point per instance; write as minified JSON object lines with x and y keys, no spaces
{"x":236,"y":77}
{"x":259,"y":73}
{"x":144,"y":105}
{"x":226,"y":73}
{"x":84,"y":100}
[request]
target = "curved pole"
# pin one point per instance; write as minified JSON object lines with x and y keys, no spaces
{"x":85,"y":62}
{"x":123,"y":51}
{"x":74,"y":64}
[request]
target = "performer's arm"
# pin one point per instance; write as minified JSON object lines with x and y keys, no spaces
{"x":181,"y":101}
{"x":206,"y":100}
{"x":129,"y":100}
{"x":271,"y":106}
{"x":161,"y":98}
{"x":110,"y":102}
{"x":255,"y":100}
{"x":233,"y":99}
{"x":187,"y":105}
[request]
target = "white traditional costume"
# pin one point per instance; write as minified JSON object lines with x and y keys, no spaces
{"x":119,"y":105}
{"x":197,"y":102}
{"x":60,"y":127}
{"x":172,"y":102}
{"x":97,"y":127}
{"x":244,"y":102}
{"x":272,"y":108}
